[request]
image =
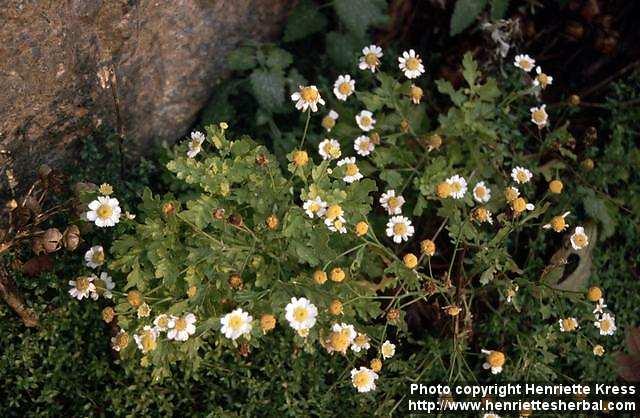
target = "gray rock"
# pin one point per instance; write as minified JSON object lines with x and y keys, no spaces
{"x":166,"y":56}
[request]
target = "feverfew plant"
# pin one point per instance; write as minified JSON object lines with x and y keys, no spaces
{"x":380,"y":210}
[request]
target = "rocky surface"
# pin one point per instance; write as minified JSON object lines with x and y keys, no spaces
{"x":165,"y":56}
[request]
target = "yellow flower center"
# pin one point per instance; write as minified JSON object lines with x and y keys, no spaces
{"x":481,"y":192}
{"x":148,"y":342}
{"x":334,"y":211}
{"x":361,"y":228}
{"x":481,"y":214}
{"x":525,"y":64}
{"x":443,"y":190}
{"x":558,"y":224}
{"x":519,"y":205}
{"x":496,"y":359}
{"x":82,"y":284}
{"x":510,"y":194}
{"x":97,"y":257}
{"x":314,"y":207}
{"x":521,"y":176}
{"x":338,"y":224}
{"x":300,"y":314}
{"x":330,"y":149}
{"x":580,"y":240}
{"x":104,"y":211}
{"x":539,"y":116}
{"x":235,"y":322}
{"x":181,"y":324}
{"x":351,"y":169}
{"x":371,"y":59}
{"x":412,"y":63}
{"x":361,"y":339}
{"x":339,"y":340}
{"x":309,"y":94}
{"x":163,"y":321}
{"x":365,"y":121}
{"x":605,"y":325}
{"x":400,"y":229}
{"x":393,"y":202}
{"x":568,"y":324}
{"x":122,"y":340}
{"x":328,"y":122}
{"x":456,"y":186}
{"x":361,"y":379}
{"x":344,"y":88}
{"x":543,"y":79}
{"x":364,"y":145}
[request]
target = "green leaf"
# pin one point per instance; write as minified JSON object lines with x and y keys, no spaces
{"x":304,"y":20}
{"x":498,"y":9}
{"x":241,"y":59}
{"x":464,"y":14}
{"x":360,"y":15}
{"x":469,"y":69}
{"x":278,"y":58}
{"x":342,"y":49}
{"x":268,"y":88}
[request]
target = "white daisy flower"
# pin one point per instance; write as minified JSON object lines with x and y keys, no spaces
{"x":329,"y":121}
{"x":94,"y":257}
{"x":307,"y":97}
{"x":365,"y":120}
{"x":370,"y":59}
{"x":363,"y":145}
{"x":392,"y":203}
{"x":344,"y":87}
{"x":495,"y":360}
{"x":524,"y":62}
{"x":120,"y":341}
{"x":411,"y":64}
{"x":458,"y":186}
{"x":103,"y":286}
{"x":599,"y":307}
{"x":481,"y":193}
{"x":105,"y":211}
{"x":147,"y":339}
{"x":542,"y":80}
{"x":360,"y":342}
{"x":195,"y":143}
{"x":364,"y":379}
{"x":82,"y":287}
{"x":521,"y":175}
{"x":399,"y":228}
{"x":301,"y":314}
{"x":329,"y":149}
{"x":606,"y":324}
{"x":336,"y":224}
{"x":180,"y":328}
{"x":236,"y":324}
{"x":568,"y":324}
{"x":579,"y":239}
{"x":351,"y":171}
{"x":341,"y":337}
{"x":315,"y":207}
{"x":539,"y":116}
{"x":557,"y":223}
{"x":388,"y":349}
{"x":162,"y":321}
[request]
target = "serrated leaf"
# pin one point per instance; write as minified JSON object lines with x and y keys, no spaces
{"x":465,"y":13}
{"x":342,"y":49}
{"x":268,"y":88}
{"x":241,"y":59}
{"x":278,"y":58}
{"x":305,"y":20}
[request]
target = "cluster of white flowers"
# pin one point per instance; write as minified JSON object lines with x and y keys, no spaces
{"x":539,"y":114}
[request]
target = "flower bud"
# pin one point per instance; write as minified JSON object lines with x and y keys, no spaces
{"x":393,"y":315}
{"x":262,"y":160}
{"x":443,"y":190}
{"x":428,"y":247}
{"x":574,"y":100}
{"x":319,"y":277}
{"x":51,"y":240}
{"x":267,"y":322}
{"x":555,"y":186}
{"x":71,"y":237}
{"x":300,"y":158}
{"x":376,"y":365}
{"x":168,"y":209}
{"x":587,"y":164}
{"x":362,"y":228}
{"x":134,"y":298}
{"x":337,"y":275}
{"x":410,"y":260}
{"x":108,"y":314}
{"x":594,"y":294}
{"x":272,"y":222}
{"x":218,"y":214}
{"x":335,"y":308}
{"x":235,"y":281}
